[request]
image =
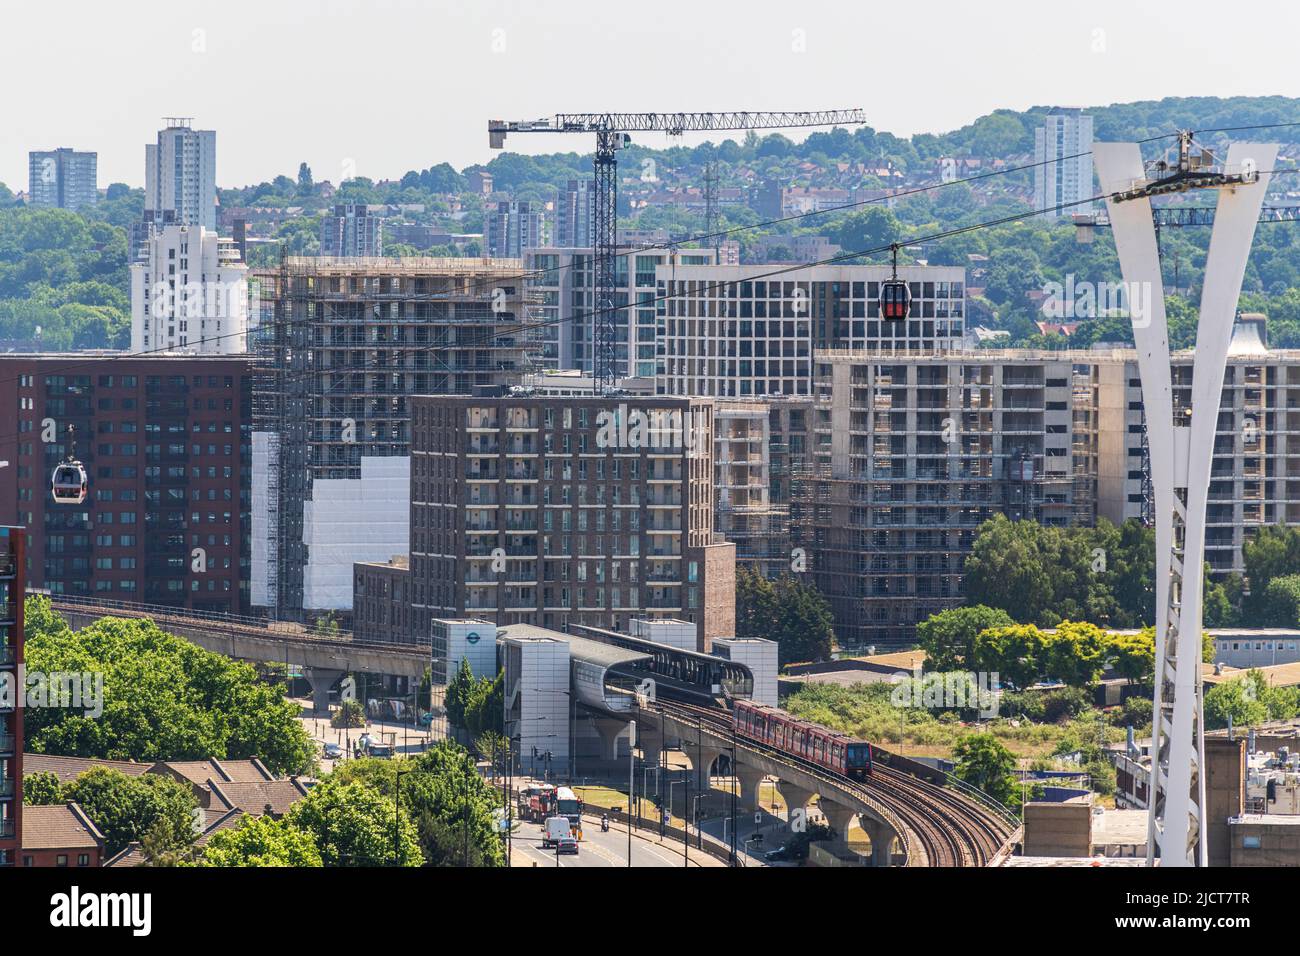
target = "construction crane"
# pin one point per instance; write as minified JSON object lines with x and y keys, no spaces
{"x":612,"y":131}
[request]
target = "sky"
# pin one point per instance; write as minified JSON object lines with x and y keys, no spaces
{"x":377,"y":88}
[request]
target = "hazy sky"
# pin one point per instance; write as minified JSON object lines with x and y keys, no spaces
{"x":390,"y":85}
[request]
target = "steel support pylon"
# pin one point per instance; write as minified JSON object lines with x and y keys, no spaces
{"x":1181,"y":431}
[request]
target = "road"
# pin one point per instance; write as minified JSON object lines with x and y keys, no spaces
{"x":599,"y":849}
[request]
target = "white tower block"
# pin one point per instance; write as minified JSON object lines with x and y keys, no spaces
{"x":1180,"y":453}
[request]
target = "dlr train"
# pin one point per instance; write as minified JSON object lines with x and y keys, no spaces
{"x":800,"y":738}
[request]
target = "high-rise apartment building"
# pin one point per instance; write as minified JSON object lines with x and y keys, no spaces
{"x":13,"y":564}
{"x":189,"y":293}
{"x":573,"y":214}
{"x":911,"y":454}
{"x":1063,"y":144}
{"x":63,"y":178}
{"x":563,"y":278}
{"x":514,"y":227}
{"x":180,"y":175}
{"x":724,"y":331}
{"x":551,"y":511}
{"x":914,"y":452}
{"x":165,"y":444}
{"x":347,"y":342}
{"x":352,"y":230}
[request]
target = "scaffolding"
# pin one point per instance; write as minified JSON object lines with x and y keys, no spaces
{"x":343,"y":345}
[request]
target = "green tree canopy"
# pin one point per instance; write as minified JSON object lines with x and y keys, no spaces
{"x":163,"y":698}
{"x":788,"y":611}
{"x":948,"y":638}
{"x":264,"y":842}
{"x":127,"y":809}
{"x":986,"y":764}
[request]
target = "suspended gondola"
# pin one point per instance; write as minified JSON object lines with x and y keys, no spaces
{"x":895,"y":296}
{"x":68,"y":484}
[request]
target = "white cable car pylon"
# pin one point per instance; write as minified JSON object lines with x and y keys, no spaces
{"x":1182,"y":446}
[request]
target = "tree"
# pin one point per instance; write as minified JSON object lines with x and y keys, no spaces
{"x":1236,"y":699}
{"x":127,"y":809}
{"x":349,"y":714}
{"x":353,"y":824}
{"x":1134,"y":655}
{"x":459,"y":691}
{"x":445,"y":796}
{"x":983,"y":762}
{"x":948,"y":638}
{"x":788,"y":611}
{"x":485,"y":709}
{"x":164,"y":698}
{"x":305,"y":184}
{"x":1076,"y":653}
{"x":262,"y":841}
{"x":42,"y":789}
{"x":1016,"y":653}
{"x":1279,"y":604}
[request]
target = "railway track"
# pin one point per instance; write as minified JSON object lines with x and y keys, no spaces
{"x":938,"y":826}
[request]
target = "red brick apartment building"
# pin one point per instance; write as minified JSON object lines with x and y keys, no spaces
{"x":166,"y":445}
{"x":12,"y":541}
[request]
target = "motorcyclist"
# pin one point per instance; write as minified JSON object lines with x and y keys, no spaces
{"x":604,"y":823}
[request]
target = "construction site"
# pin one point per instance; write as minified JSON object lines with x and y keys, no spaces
{"x":341,"y":346}
{"x":913,"y":453}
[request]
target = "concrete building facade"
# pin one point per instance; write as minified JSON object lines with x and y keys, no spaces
{"x":189,"y":293}
{"x":180,"y":175}
{"x":552,"y":511}
{"x":353,"y":229}
{"x":1063,"y":144}
{"x":62,"y":178}
{"x":724,"y":331}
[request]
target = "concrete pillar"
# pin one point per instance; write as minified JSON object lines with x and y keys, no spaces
{"x":703,"y":761}
{"x":882,"y":838}
{"x":751,"y":778}
{"x":609,"y":730}
{"x":839,"y":818}
{"x":321,"y":680}
{"x":795,"y":796}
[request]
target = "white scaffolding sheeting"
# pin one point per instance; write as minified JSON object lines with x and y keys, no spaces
{"x":265,"y":523}
{"x":349,"y":520}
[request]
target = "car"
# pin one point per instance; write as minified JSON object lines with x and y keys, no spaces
{"x":380,"y":751}
{"x":567,"y":845}
{"x":780,"y":853}
{"x":331,"y":751}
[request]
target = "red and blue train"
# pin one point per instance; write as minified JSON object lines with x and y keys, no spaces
{"x":800,"y":738}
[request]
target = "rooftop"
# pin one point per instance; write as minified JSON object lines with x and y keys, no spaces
{"x":59,"y":826}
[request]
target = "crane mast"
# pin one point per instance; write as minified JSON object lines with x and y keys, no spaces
{"x":611,"y":131}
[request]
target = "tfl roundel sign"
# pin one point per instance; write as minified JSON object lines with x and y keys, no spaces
{"x":472,"y":637}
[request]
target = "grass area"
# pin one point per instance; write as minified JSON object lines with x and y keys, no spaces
{"x":866,"y":711}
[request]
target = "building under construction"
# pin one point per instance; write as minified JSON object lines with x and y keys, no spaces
{"x":342,"y":346}
{"x":913,"y":453}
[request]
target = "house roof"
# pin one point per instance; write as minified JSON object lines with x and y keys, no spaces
{"x":68,"y":769}
{"x":59,"y":826}
{"x":133,"y":853}
{"x":254,"y":797}
{"x":199,"y":772}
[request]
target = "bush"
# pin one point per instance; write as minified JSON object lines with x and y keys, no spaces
{"x":1064,"y":703}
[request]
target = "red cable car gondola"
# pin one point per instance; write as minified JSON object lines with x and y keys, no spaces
{"x":895,"y":296}
{"x":68,"y":484}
